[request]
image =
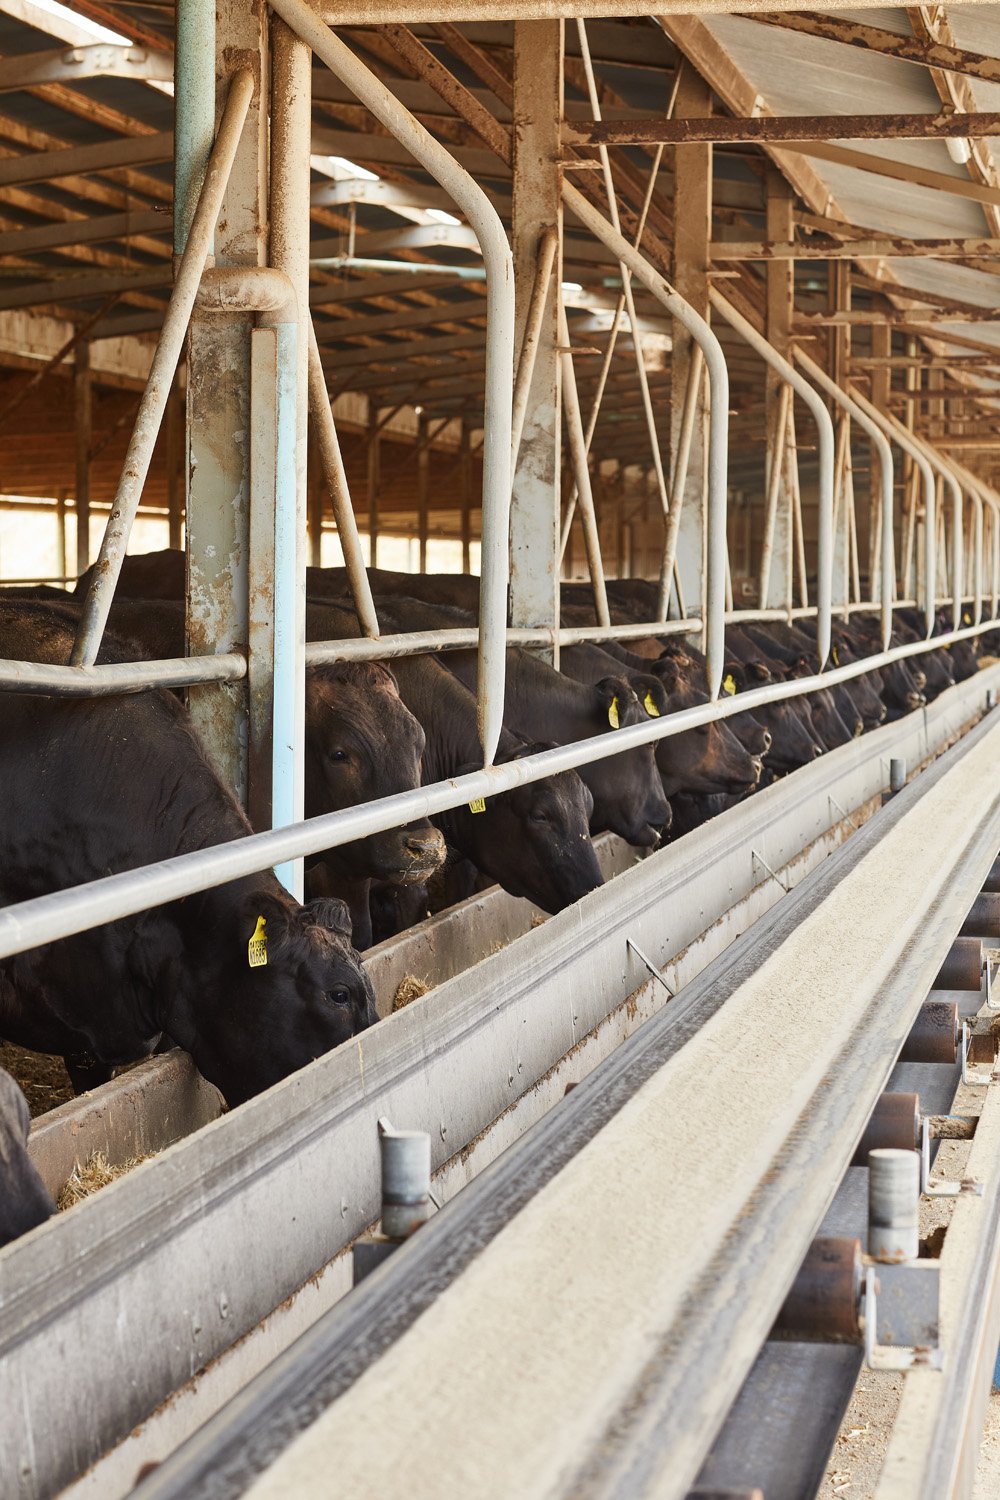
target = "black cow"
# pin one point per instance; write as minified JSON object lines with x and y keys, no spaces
{"x":534,"y":840}
{"x":541,"y":704}
{"x":25,"y":1201}
{"x":96,"y":786}
{"x":362,"y":743}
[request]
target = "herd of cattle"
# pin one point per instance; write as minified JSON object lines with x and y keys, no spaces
{"x":249,"y":982}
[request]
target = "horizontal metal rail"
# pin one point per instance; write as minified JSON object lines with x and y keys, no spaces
{"x":44,"y":919}
{"x":52,"y":681}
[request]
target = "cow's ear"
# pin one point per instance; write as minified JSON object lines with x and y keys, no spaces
{"x":265,"y":920}
{"x":613,"y":697}
{"x":759,"y":671}
{"x":668,"y":670}
{"x":330,"y":913}
{"x":652,"y":695}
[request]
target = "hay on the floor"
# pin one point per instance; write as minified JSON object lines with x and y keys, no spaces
{"x":96,"y":1173}
{"x":408,"y":989}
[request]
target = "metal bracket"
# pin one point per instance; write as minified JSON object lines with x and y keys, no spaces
{"x":649,"y":965}
{"x":977,"y":1078}
{"x":759,"y":859}
{"x":939,"y":1187}
{"x":907,"y":1297}
{"x":991,"y":961}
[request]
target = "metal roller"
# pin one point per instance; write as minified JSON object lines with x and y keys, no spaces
{"x":894,"y":1123}
{"x":934,"y":1036}
{"x":824,"y":1304}
{"x":963,"y":968}
{"x":893,"y":1206}
{"x":984,"y":917}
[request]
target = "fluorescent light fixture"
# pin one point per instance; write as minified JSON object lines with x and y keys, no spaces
{"x":66,"y":13}
{"x":958,"y":149}
{"x":342,"y":170}
{"x":351,"y":169}
{"x":572,"y":286}
{"x":441,"y":216}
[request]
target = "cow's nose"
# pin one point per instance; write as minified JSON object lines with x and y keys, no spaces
{"x":817,"y":750}
{"x":915,"y":700}
{"x":859,"y":728}
{"x":767,"y":742}
{"x":425,"y":841}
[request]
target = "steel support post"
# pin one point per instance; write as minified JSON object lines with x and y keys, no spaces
{"x":423,"y":487}
{"x":692,"y":234}
{"x":291,"y":129}
{"x":537,"y":208}
{"x":175,"y":466}
{"x":218,"y":412}
{"x":776,"y":557}
{"x":465,"y":490}
{"x":83,"y":420}
{"x":373,"y":466}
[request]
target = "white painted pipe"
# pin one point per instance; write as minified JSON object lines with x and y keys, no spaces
{"x":493,"y":242}
{"x":825,"y":456}
{"x":718,"y":437}
{"x":104,"y":579}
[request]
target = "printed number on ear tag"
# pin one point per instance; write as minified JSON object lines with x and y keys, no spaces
{"x":257,"y":946}
{"x":729,"y":685}
{"x":613,"y":713}
{"x":479,"y":805}
{"x":650,"y":706}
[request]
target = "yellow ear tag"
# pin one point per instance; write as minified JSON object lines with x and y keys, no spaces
{"x":613,"y":713}
{"x":650,"y":706}
{"x":966,"y":619}
{"x":729,"y":684}
{"x":479,"y":805}
{"x":836,"y":657}
{"x":257,"y":946}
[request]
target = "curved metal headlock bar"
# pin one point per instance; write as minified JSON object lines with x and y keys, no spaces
{"x":497,"y":415}
{"x":824,"y":426}
{"x":957,"y":551}
{"x":989,"y":498}
{"x":960,"y":579}
{"x":97,"y":604}
{"x":45,"y":919}
{"x":718,"y":437}
{"x":867,"y":422}
{"x":927,"y":461}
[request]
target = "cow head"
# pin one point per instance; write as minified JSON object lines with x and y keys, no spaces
{"x":262,"y":985}
{"x":628,"y":796}
{"x":706,"y":759}
{"x":535,"y":839}
{"x":793,"y":741}
{"x":363,"y":743}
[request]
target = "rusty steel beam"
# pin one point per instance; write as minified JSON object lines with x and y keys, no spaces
{"x":853,"y":249}
{"x":778,"y":129}
{"x":875,"y":39}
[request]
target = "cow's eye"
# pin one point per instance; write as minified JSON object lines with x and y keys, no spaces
{"x":341,"y":995}
{"x":538,"y":815}
{"x":337,"y":755}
